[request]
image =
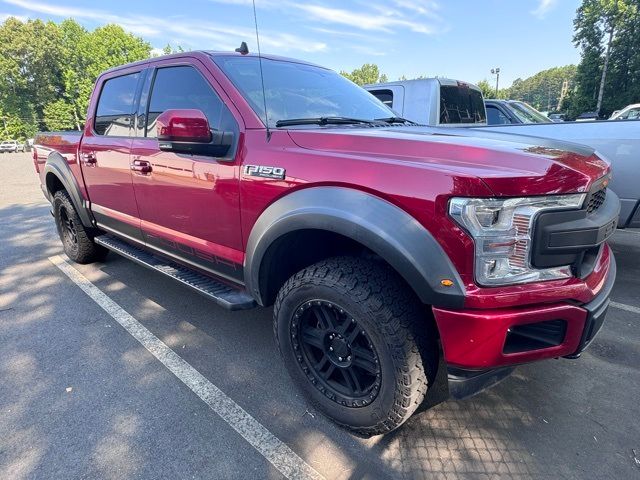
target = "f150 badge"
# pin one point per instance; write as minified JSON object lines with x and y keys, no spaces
{"x":263,"y":171}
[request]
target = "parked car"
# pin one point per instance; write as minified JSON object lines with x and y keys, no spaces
{"x":618,"y":142}
{"x":630,"y":112}
{"x":556,"y":117}
{"x":379,"y":242}
{"x":11,"y":146}
{"x":587,"y":117}
{"x":506,"y":112}
{"x":433,"y":101}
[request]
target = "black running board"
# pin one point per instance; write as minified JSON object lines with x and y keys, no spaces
{"x":224,"y":295}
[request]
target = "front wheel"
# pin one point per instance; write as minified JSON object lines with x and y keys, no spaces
{"x":354,"y":338}
{"x":77,"y":242}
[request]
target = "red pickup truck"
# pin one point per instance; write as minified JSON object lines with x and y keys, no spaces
{"x":388,"y":249}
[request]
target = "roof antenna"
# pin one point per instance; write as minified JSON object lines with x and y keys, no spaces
{"x":243,"y":49}
{"x":264,"y":94}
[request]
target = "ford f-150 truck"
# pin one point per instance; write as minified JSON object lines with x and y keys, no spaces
{"x":388,"y":249}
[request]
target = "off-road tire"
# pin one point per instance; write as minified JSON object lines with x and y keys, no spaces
{"x":395,"y":323}
{"x":77,"y":241}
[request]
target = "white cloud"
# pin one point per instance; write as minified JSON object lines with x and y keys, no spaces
{"x":219,"y":37}
{"x":384,"y":21}
{"x":422,"y":7}
{"x":544,"y":7}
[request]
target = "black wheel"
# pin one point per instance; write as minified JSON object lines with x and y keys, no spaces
{"x":77,"y":242}
{"x":356,"y":341}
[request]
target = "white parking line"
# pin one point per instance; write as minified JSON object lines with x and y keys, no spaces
{"x":269,"y":446}
{"x":624,"y":306}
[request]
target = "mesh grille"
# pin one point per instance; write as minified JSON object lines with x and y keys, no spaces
{"x":596,"y":200}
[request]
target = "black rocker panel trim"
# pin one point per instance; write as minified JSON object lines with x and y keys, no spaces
{"x":382,"y":227}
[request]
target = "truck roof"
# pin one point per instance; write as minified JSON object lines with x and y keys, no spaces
{"x":210,"y":53}
{"x":418,"y":81}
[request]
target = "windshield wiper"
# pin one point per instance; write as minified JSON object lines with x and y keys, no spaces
{"x":322,"y":121}
{"x":395,"y":120}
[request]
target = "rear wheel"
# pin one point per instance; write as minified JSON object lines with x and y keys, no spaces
{"x":77,"y":241}
{"x":354,"y":338}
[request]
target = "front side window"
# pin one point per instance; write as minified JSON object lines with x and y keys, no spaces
{"x":496,"y":117}
{"x":115,"y":106}
{"x":184,"y":88}
{"x":632,"y":114}
{"x":295,"y":90}
{"x":527,"y":114}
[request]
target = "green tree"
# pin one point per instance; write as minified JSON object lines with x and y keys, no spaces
{"x":47,"y":71}
{"x":544,"y":89}
{"x":30,"y":76}
{"x":487,"y":90}
{"x":106,"y":47}
{"x":368,"y":73}
{"x":61,"y":115}
{"x":597,"y":23}
{"x":607,"y":32}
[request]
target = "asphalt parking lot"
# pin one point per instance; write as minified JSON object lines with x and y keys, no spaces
{"x":80,"y":397}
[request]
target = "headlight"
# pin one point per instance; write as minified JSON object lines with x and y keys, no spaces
{"x":501,"y":230}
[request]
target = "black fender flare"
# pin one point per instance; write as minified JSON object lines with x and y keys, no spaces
{"x":58,"y":166}
{"x":377,"y":224}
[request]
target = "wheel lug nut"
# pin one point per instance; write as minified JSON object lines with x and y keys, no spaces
{"x":331,"y":349}
{"x":340,"y":359}
{"x":349,"y":358}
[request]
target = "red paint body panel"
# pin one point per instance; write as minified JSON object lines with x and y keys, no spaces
{"x":209,"y":207}
{"x":475,"y":338}
{"x":189,"y":197}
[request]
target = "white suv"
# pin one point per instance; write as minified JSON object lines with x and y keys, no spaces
{"x":11,"y":146}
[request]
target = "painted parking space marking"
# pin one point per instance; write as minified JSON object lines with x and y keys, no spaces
{"x":268,"y":445}
{"x":624,"y":306}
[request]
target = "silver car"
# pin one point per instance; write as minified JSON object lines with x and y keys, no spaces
{"x":11,"y":146}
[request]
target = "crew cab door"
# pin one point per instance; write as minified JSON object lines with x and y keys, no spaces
{"x":104,"y":154}
{"x":189,"y":204}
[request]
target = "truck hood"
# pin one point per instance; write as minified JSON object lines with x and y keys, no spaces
{"x":510,"y":165}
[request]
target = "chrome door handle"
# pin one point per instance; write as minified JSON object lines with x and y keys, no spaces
{"x":141,"y":166}
{"x":89,"y":158}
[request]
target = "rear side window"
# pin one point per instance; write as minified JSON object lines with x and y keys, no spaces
{"x":185,"y":88}
{"x":385,"y":96}
{"x":115,"y":106}
{"x":461,"y":104}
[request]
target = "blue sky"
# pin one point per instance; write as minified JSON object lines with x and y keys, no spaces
{"x":460,"y":39}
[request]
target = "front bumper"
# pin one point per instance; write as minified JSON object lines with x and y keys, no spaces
{"x":487,"y":339}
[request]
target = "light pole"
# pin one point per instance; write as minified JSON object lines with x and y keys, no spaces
{"x":496,"y":72}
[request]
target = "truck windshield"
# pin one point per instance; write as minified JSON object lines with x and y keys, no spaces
{"x":527,"y":114}
{"x":461,"y":104}
{"x":299,"y":91}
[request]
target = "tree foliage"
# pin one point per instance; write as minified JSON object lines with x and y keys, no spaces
{"x":486,"y":89}
{"x":47,"y":71}
{"x":544,"y":89}
{"x":367,"y":73}
{"x":598,"y":24}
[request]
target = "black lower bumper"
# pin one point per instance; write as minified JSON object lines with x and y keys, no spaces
{"x":596,"y":311}
{"x":466,"y":383}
